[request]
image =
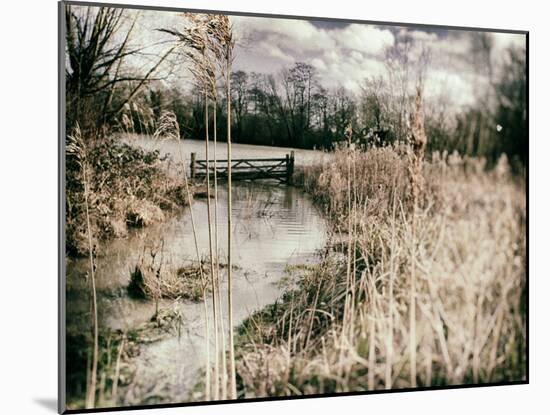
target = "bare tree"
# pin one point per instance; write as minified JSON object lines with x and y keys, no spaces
{"x":98,"y":41}
{"x":239,"y":81}
{"x":406,"y":63}
{"x":374,"y":102}
{"x":299,"y":83}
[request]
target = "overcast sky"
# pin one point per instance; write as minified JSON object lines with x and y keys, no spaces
{"x":344,"y":54}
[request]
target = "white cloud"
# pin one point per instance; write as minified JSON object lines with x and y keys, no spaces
{"x":297,"y":35}
{"x":319,"y":64}
{"x":272,"y":50}
{"x":342,"y":55}
{"x":346,"y":54}
{"x":331,"y":55}
{"x":299,"y":30}
{"x":302,"y":37}
{"x":358,"y":56}
{"x":364,"y":38}
{"x":456,"y":84}
{"x":350,"y":72}
{"x":421,"y":36}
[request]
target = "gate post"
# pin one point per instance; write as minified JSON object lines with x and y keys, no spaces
{"x":289,"y":167}
{"x":193,"y":158}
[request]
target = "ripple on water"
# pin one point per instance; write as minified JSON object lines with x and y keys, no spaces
{"x":274,"y":226}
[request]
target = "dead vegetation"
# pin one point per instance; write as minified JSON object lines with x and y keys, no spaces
{"x":128,"y":187}
{"x":78,"y":150}
{"x":149,"y":283}
{"x":465,"y":322}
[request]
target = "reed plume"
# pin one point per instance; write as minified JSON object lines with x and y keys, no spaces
{"x":200,"y":46}
{"x":208,"y":43}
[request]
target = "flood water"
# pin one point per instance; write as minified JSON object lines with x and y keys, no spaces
{"x":274,"y":226}
{"x":172,"y":147}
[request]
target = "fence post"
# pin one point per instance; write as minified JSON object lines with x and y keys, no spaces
{"x":289,"y":167}
{"x":193,"y":158}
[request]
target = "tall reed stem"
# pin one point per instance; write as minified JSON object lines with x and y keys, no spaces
{"x":90,"y":396}
{"x":419,"y":139}
{"x":211,"y":250}
{"x":233,"y":377}
{"x":203,"y":282}
{"x":389,"y":340}
{"x":114,"y":390}
{"x":412,"y":314}
{"x":348,"y":299}
{"x":216,"y":248}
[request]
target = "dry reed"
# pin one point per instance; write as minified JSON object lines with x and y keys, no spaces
{"x":169,"y":128}
{"x":467,"y":249}
{"x":207,"y":41}
{"x":77,"y":149}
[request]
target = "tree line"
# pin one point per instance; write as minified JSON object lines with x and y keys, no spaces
{"x":294,"y":109}
{"x":290,"y":108}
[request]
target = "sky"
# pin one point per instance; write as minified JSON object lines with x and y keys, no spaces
{"x":343,"y":54}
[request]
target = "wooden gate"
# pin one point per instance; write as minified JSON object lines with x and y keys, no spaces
{"x":280,"y":169}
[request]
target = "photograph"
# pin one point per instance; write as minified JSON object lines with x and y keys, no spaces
{"x":262,"y":207}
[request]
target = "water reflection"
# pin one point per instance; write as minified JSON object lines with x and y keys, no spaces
{"x":273,"y":226}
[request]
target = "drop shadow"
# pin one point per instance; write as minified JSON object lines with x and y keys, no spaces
{"x":48,"y":403}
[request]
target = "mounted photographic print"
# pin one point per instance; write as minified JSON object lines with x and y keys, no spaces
{"x":259,"y":207}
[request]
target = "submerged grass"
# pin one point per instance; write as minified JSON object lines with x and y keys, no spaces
{"x":467,"y":249}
